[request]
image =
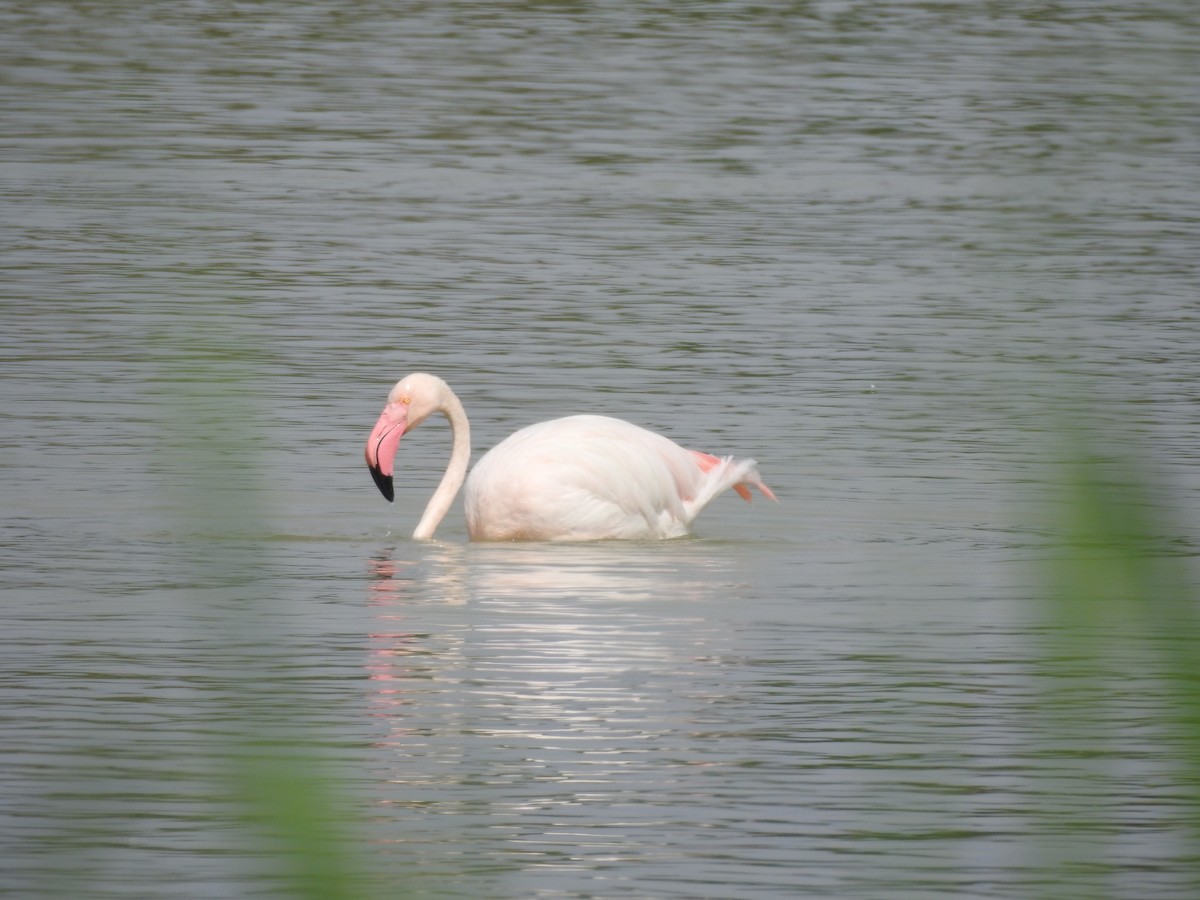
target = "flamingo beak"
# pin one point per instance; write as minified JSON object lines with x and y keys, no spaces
{"x":380,"y":452}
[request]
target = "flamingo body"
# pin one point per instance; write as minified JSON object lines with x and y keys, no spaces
{"x":588,"y":478}
{"x":578,"y":478}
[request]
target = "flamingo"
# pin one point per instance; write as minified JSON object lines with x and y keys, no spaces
{"x":578,"y":478}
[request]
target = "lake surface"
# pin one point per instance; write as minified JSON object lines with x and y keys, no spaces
{"x":897,"y":252}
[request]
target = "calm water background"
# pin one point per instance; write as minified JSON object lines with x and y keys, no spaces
{"x":885,"y":248}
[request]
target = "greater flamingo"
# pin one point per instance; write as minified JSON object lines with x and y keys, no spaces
{"x":574,"y":479}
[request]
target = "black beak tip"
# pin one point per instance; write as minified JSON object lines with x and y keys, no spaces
{"x":384,"y":483}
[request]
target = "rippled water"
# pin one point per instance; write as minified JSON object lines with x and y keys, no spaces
{"x":885,"y":248}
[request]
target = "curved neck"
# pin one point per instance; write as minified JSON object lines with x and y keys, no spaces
{"x":456,"y":471}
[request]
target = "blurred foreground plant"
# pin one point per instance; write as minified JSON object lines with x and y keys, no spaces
{"x":287,"y":795}
{"x":1120,"y":667}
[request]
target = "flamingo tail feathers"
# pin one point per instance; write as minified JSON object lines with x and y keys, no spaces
{"x":746,"y":473}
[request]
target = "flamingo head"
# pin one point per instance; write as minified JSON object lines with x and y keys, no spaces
{"x":410,"y":403}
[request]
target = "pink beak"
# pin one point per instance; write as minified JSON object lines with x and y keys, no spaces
{"x":380,"y":452}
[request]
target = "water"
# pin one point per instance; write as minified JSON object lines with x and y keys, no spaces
{"x":885,"y":249}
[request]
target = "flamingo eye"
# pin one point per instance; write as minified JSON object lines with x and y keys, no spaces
{"x":406,"y":400}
